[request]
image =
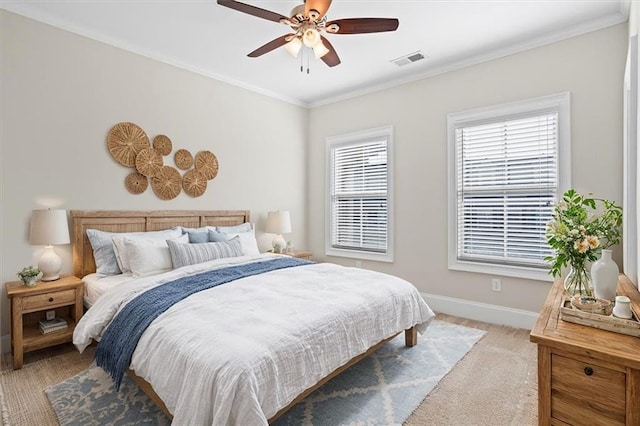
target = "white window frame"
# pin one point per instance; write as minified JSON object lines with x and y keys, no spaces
{"x":355,"y":138}
{"x":630,"y":243}
{"x":559,"y":102}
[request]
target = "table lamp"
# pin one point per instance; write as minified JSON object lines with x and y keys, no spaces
{"x":279,"y":223}
{"x":49,"y":228}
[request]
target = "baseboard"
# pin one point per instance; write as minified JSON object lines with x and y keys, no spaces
{"x":5,"y":344}
{"x":484,"y":312}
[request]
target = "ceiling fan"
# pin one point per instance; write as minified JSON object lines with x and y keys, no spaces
{"x":308,"y":21}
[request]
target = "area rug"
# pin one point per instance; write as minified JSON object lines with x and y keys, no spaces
{"x":382,"y":389}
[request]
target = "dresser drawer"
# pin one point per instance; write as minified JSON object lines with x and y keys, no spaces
{"x":583,"y":392}
{"x":48,"y":300}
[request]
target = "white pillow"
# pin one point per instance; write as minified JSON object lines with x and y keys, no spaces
{"x":150,"y":256}
{"x":243,"y":227}
{"x":248,"y":241}
{"x":121,"y":252}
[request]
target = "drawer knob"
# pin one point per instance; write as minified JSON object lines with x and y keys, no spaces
{"x":51,"y":299}
{"x":588,"y":371}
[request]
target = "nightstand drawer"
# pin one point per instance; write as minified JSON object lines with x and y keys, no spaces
{"x":48,"y":300}
{"x":582,"y":391}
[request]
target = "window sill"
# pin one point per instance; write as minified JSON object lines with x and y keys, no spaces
{"x":355,"y":254}
{"x":502,"y":270}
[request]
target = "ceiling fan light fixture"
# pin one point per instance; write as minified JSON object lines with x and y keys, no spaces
{"x":311,"y":37}
{"x":294,"y":46}
{"x":320,"y":50}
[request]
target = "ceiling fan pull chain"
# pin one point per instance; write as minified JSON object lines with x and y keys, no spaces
{"x":308,"y":62}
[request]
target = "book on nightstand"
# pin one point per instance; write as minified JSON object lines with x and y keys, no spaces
{"x":48,"y":326}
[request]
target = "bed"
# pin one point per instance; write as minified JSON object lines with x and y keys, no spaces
{"x":247,"y":351}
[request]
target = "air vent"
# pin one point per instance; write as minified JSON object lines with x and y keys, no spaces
{"x":408,"y":59}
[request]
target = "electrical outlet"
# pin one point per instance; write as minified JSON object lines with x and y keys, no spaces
{"x":358,"y":264}
{"x":496,"y":284}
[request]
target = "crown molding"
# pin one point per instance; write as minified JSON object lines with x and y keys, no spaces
{"x":481,"y":57}
{"x":27,"y":10}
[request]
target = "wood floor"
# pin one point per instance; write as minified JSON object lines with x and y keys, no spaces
{"x":6,"y":361}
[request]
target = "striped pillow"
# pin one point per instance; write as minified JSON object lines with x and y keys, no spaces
{"x":190,"y":254}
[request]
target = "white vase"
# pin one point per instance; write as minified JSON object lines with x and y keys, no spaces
{"x":604,"y":276}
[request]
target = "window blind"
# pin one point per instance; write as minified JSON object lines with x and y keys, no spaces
{"x":507,"y":180}
{"x":359,"y":213}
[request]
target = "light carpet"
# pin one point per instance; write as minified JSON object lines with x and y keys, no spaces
{"x":383,"y":389}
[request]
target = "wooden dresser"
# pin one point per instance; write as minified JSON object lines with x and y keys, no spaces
{"x":586,"y":376}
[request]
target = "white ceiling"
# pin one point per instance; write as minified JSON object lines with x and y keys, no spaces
{"x":213,"y":40}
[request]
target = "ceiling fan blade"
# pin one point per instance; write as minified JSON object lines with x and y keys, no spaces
{"x":320,"y":5}
{"x":330,"y":58}
{"x":365,"y":25}
{"x":252,"y":10}
{"x":273,"y":44}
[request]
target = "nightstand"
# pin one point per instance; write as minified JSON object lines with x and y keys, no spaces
{"x":300,"y":254}
{"x":29,"y":306}
{"x":586,"y":375}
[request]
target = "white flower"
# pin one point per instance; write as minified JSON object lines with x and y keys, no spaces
{"x":593,"y":241}
{"x":581,"y":245}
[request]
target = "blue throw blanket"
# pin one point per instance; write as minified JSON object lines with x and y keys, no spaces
{"x":121,"y":337}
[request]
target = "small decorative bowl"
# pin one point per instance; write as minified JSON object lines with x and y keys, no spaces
{"x":592,"y":304}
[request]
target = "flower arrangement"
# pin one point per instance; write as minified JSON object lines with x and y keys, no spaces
{"x":29,"y":275}
{"x":577,"y":235}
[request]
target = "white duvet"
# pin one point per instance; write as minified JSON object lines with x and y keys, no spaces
{"x":238,"y":353}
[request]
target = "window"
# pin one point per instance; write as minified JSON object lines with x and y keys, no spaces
{"x":359,"y":197}
{"x":507,"y":165}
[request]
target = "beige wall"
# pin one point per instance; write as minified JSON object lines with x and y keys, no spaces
{"x":591,"y":67}
{"x":61,"y":93}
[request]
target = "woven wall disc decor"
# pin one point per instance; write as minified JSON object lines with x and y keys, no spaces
{"x":194,"y":183}
{"x":149,"y":162}
{"x":163,"y":144}
{"x":167,"y":184}
{"x":183,"y":159}
{"x":207,"y":164}
{"x":136,"y":183}
{"x":129,"y":145}
{"x":125,"y":141}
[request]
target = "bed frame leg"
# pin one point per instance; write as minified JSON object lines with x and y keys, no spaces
{"x":411,"y":337}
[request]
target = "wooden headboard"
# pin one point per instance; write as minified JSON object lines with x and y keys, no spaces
{"x":139,"y":221}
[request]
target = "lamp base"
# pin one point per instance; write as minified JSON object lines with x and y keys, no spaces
{"x":50,"y":264}
{"x":53,"y":278}
{"x":279,"y":244}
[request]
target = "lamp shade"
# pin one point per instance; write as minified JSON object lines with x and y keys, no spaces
{"x":49,"y":227}
{"x":320,"y":50}
{"x":293,"y":47}
{"x":311,"y":37}
{"x":278,"y":222}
